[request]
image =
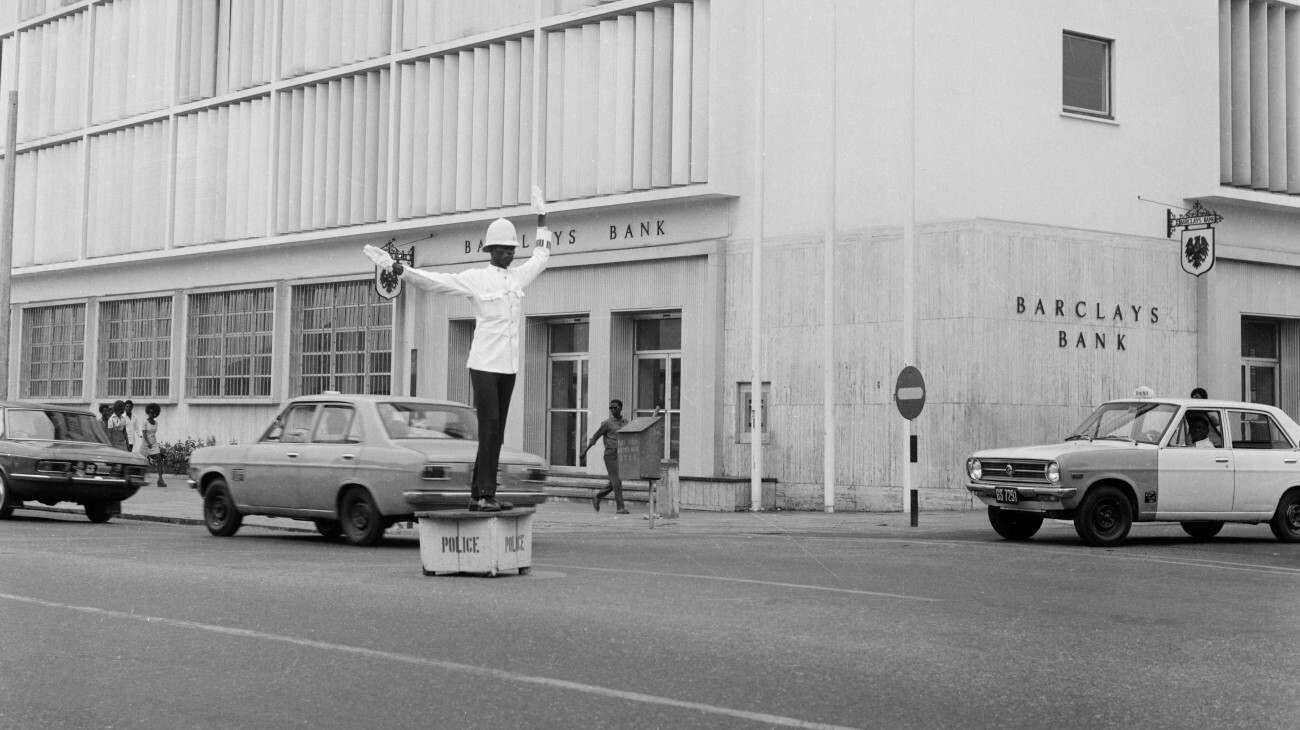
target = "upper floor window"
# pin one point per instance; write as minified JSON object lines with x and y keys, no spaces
{"x":1086,"y":69}
{"x":229,"y":344}
{"x":342,"y":339}
{"x":135,"y":348}
{"x":54,"y":352}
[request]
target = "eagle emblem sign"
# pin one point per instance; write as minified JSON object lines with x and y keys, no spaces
{"x":387,"y":284}
{"x":1196,"y":245}
{"x":1197,"y":250}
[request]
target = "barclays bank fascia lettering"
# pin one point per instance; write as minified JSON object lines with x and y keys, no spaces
{"x":1081,"y":312}
{"x":569,"y":237}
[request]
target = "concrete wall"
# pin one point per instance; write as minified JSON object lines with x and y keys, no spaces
{"x":995,"y":375}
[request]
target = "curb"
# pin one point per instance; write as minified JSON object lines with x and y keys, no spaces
{"x":156,"y":518}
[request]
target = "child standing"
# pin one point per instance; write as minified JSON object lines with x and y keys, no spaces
{"x":149,"y":439}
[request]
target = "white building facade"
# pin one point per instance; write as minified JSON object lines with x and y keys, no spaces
{"x":196,"y":178}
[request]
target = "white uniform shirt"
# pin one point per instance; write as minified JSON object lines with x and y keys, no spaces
{"x":496,"y":294}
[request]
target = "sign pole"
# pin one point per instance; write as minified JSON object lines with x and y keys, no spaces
{"x":909,"y":235}
{"x":7,"y":241}
{"x":756,"y":278}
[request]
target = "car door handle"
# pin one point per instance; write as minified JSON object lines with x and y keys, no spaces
{"x":349,"y":457}
{"x":1288,"y":461}
{"x":292,"y":454}
{"x":1221,"y":460}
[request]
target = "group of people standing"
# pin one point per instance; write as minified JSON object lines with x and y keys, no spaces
{"x":128,"y":432}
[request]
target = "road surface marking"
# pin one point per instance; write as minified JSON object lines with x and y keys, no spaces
{"x":440,"y":664}
{"x":745,"y":580}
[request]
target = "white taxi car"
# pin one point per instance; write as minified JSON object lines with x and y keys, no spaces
{"x":1201,"y":463}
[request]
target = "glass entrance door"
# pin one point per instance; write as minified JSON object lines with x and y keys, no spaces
{"x":658,"y":385}
{"x":1259,"y":383}
{"x":567,"y":375}
{"x":1259,"y":361}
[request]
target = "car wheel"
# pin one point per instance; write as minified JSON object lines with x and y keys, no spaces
{"x":1286,"y":521}
{"x":1013,"y":524}
{"x":1202,"y":530}
{"x":97,"y":512}
{"x":219,"y":513}
{"x":329,"y":528}
{"x":1104,"y":517}
{"x":7,"y":502}
{"x":362,"y":524}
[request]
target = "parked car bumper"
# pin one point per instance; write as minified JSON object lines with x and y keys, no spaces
{"x":1036,"y":498}
{"x":50,"y":489}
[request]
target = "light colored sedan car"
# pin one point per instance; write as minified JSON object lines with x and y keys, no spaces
{"x":355,"y":465}
{"x":1200,"y":463}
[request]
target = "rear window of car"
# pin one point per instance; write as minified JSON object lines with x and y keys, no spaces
{"x":424,"y":421}
{"x":39,"y":425}
{"x":1253,"y":430}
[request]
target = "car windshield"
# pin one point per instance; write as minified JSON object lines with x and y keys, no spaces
{"x":425,"y":421}
{"x":40,"y":425}
{"x":1142,"y":423}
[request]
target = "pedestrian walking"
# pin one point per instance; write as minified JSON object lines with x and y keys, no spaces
{"x":496,"y":291}
{"x":609,"y":431}
{"x":118,"y":425}
{"x":149,"y":439}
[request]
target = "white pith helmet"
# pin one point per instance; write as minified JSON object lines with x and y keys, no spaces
{"x":501,"y":233}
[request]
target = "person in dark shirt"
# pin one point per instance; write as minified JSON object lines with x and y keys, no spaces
{"x":609,"y":430}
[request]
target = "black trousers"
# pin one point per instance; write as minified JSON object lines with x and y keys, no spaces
{"x":492,"y":401}
{"x":615,"y":483}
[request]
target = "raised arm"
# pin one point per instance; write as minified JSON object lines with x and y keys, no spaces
{"x":437,"y":282}
{"x":536,"y":263}
{"x":427,"y":280}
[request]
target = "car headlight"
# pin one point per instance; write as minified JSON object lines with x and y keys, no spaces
{"x":1054,"y":472}
{"x":974,"y":468}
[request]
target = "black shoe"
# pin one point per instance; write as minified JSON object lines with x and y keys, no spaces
{"x":473,"y":504}
{"x":595,"y":503}
{"x":505,"y":505}
{"x":624,"y":512}
{"x":488,"y":505}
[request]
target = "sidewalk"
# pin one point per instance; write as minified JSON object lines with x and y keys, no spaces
{"x":177,"y":503}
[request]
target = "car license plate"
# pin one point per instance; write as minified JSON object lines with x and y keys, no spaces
{"x":1006,"y":495}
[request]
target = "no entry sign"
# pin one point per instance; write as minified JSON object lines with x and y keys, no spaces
{"x":909,"y":392}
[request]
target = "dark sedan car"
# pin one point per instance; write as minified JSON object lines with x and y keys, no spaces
{"x":354,"y":465}
{"x":50,"y":454}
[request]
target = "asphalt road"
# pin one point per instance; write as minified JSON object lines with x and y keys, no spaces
{"x":149,"y":625}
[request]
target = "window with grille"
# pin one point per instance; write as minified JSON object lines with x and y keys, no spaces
{"x":342,"y":339}
{"x":54,"y":351}
{"x":135,"y":348}
{"x":229,"y":344}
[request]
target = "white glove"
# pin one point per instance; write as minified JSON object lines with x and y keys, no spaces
{"x":545,"y":237}
{"x":379,"y":256}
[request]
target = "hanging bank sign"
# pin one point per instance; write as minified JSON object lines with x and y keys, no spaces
{"x":1090,"y":325}
{"x":1196,"y":247}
